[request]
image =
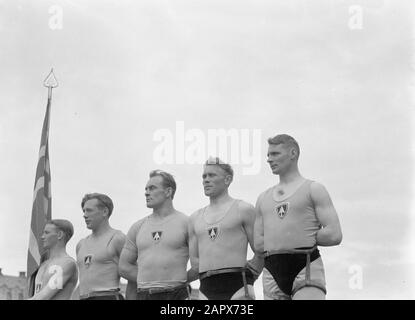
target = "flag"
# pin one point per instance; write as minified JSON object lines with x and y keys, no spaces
{"x":41,"y":208}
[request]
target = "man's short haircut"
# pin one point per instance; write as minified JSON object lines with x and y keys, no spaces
{"x":63,"y":225}
{"x":168,"y":180}
{"x":103,"y":201}
{"x":218,"y":162}
{"x":286,"y":140}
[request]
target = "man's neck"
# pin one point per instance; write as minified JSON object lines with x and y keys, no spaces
{"x":220,"y":199}
{"x":290,"y":177}
{"x":102,"y":228}
{"x":164,"y":210}
{"x":57,"y":251}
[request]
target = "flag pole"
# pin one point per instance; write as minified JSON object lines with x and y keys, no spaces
{"x":42,"y":200}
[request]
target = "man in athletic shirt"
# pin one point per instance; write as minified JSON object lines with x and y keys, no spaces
{"x":293,"y":217}
{"x":98,"y":254}
{"x":156,"y":252}
{"x":219,"y":236}
{"x":57,"y":276}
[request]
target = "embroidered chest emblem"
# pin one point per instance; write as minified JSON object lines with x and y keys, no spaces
{"x":87,"y":260}
{"x":38,"y":287}
{"x":282,"y":209}
{"x":156,"y":235}
{"x":213,"y":233}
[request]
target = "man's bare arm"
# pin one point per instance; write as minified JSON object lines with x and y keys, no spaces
{"x":131,"y":291}
{"x":193,"y":273}
{"x":330,"y":234}
{"x":127,"y":265}
{"x":259,"y":231}
{"x":116,"y":245}
{"x":248,"y":214}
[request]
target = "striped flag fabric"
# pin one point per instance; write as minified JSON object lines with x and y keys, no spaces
{"x":41,"y":208}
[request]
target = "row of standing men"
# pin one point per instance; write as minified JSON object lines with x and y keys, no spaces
{"x":283,"y":230}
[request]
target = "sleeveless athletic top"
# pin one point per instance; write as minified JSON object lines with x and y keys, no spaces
{"x":98,"y":271}
{"x":289,"y":223}
{"x":50,"y":268}
{"x":222,"y":244}
{"x":151,"y":239}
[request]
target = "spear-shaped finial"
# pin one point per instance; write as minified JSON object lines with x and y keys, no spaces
{"x":50,"y":82}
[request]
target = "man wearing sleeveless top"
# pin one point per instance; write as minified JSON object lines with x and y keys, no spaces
{"x":98,"y":254}
{"x":219,"y":236}
{"x":57,"y":276}
{"x":156,"y":252}
{"x":293,"y":218}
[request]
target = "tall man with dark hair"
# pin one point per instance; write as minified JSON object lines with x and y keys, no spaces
{"x":156,"y":252}
{"x":219,"y":237}
{"x":293,"y":217}
{"x":58,"y":275}
{"x":98,"y":254}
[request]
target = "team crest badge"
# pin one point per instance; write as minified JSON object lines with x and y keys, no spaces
{"x":213,"y":233}
{"x":156,"y":236}
{"x":87,"y":260}
{"x":282,"y":210}
{"x":38,"y":287}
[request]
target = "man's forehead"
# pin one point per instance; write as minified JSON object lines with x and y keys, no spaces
{"x":208,"y":168}
{"x":91,"y":203}
{"x":276,"y":147}
{"x":155,"y":181}
{"x":50,"y":227}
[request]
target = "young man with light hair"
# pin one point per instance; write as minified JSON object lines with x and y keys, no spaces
{"x":293,"y":218}
{"x":156,"y":252}
{"x":57,"y":276}
{"x":98,"y":254}
{"x":219,"y":236}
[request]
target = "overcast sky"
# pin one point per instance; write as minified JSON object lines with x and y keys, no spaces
{"x":145,"y":84}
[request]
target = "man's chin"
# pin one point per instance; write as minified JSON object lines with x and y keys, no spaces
{"x":275,"y":171}
{"x":209,"y":194}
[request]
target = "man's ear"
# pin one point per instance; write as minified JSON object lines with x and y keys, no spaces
{"x":293,"y":153}
{"x":61,"y":234}
{"x":228,"y":179}
{"x":169,"y":192}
